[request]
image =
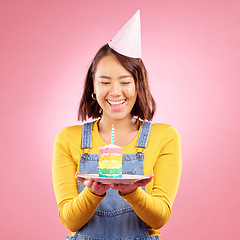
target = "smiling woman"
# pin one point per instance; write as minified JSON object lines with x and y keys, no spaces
{"x":116,"y":92}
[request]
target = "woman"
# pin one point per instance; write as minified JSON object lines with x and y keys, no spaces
{"x":116,"y":92}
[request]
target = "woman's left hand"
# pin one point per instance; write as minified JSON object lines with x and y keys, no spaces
{"x":128,"y":188}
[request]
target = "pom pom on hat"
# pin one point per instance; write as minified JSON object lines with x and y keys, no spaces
{"x":128,"y":40}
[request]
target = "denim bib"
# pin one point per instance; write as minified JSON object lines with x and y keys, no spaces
{"x":114,"y":217}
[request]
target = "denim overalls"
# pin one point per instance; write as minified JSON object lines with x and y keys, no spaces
{"x":114,"y":217}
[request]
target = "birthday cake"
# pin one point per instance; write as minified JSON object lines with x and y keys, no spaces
{"x":110,"y":161}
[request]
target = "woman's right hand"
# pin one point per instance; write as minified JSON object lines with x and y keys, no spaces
{"x":94,"y":187}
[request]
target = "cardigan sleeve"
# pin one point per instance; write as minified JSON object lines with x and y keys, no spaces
{"x":155,"y":208}
{"x":75,"y":209}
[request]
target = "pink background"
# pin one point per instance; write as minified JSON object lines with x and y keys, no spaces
{"x":192,"y":52}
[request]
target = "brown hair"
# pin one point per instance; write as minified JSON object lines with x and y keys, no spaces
{"x":144,"y":107}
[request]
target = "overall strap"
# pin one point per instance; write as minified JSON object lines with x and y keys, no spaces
{"x":144,"y":134}
{"x":87,"y":135}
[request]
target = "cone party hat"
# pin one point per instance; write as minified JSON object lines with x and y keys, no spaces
{"x":128,"y":40}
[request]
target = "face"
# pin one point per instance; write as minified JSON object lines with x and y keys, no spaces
{"x":114,"y":88}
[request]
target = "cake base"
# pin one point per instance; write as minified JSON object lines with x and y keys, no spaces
{"x":110,"y":172}
{"x":110,"y":176}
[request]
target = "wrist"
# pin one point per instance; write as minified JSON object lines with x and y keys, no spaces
{"x":97,"y":194}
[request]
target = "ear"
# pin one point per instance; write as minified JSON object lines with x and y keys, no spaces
{"x":94,"y":86}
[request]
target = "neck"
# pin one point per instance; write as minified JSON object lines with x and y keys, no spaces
{"x":105,"y":124}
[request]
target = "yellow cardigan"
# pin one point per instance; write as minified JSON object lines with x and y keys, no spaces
{"x":153,"y":206}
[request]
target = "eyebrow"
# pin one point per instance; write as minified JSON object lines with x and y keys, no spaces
{"x":121,"y":77}
{"x":104,"y":77}
{"x":125,"y":76}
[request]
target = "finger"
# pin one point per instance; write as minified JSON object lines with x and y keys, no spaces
{"x":88,"y":183}
{"x":77,"y":173}
{"x":106,"y":187}
{"x":99,"y":188}
{"x":116,"y":186}
{"x":80,"y":179}
{"x":103,"y":186}
{"x":144,"y":182}
{"x":95,"y":186}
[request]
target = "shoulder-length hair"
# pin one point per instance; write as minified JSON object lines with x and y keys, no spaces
{"x":144,"y":107}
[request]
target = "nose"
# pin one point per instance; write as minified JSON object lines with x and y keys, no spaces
{"x":115,"y":89}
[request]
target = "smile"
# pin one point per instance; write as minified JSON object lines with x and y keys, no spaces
{"x":116,"y":105}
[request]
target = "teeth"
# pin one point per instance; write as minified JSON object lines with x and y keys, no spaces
{"x":116,"y":102}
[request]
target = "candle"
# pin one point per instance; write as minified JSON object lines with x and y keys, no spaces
{"x":112,"y":139}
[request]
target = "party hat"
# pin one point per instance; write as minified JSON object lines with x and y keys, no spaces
{"x":128,"y":40}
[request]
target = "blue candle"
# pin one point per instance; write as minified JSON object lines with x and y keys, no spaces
{"x":112,"y":140}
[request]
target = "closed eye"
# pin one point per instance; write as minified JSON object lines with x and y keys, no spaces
{"x":104,"y":82}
